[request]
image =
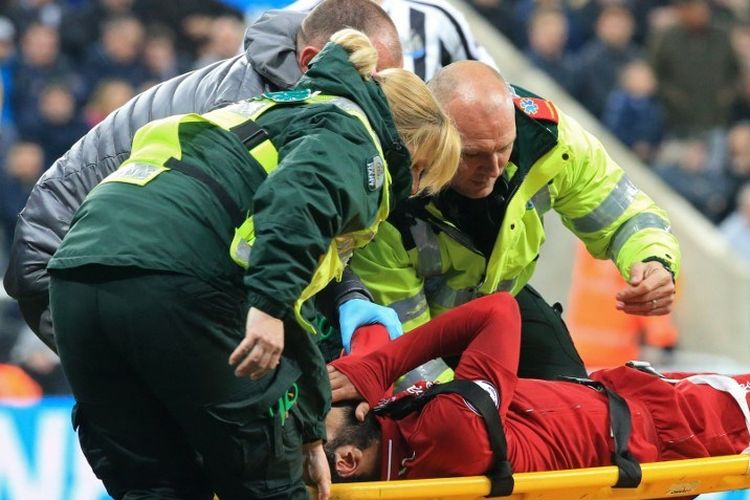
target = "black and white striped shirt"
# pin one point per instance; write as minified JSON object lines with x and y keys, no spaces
{"x":433,"y":34}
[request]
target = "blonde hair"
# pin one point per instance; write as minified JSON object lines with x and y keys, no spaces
{"x":432,"y":139}
{"x":362,"y":55}
{"x":430,"y":134}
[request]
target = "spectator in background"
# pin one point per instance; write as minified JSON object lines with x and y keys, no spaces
{"x":27,"y":12}
{"x":23,"y":166}
{"x":160,"y":55}
{"x":81,"y":26}
{"x":191,"y":20}
{"x":634,"y":113}
{"x":548,"y":32}
{"x":697,"y":70}
{"x":40,"y":63}
{"x":107,"y":97}
{"x":118,"y":54}
{"x":59,"y":125}
{"x":7,"y":59}
{"x":736,"y":227}
{"x":738,"y":160}
{"x":601,"y":59}
{"x":741,"y":44}
{"x":225,"y":41}
{"x":741,"y":107}
{"x":683,"y":165}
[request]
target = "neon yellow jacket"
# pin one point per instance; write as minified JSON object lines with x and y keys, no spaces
{"x":421,"y":264}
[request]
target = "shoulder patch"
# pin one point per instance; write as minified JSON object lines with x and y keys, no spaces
{"x":375,"y":173}
{"x":537,"y":108}
{"x":289,"y":95}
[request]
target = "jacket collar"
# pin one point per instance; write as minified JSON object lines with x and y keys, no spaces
{"x":271,"y":48}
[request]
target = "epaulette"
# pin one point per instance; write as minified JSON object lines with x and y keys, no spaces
{"x":537,"y":108}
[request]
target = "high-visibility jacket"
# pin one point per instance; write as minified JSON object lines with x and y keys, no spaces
{"x":331,"y":189}
{"x":421,"y":264}
{"x":156,"y":147}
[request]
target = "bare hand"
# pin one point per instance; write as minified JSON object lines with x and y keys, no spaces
{"x":341,"y":387}
{"x":260,"y":350}
{"x":316,"y":469}
{"x":650,"y":291}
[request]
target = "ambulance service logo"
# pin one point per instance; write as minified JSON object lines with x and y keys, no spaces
{"x":529,"y":106}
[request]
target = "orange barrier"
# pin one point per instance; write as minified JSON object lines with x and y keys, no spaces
{"x":603,"y":335}
{"x":17,"y":384}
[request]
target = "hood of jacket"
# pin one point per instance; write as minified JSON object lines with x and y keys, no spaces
{"x":271,"y":48}
{"x":331,"y":73}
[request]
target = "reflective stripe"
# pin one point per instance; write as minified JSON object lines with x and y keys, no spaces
{"x":610,"y":209}
{"x":135,"y":173}
{"x":542,"y":200}
{"x":506,"y":285}
{"x":410,"y":308}
{"x":442,"y":295}
{"x":428,"y":249}
{"x":637,"y":223}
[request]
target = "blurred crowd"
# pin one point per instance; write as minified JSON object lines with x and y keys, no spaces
{"x":669,"y":78}
{"x":64,"y":66}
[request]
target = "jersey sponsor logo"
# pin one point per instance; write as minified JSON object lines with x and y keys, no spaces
{"x":375,"y":173}
{"x":489,"y":389}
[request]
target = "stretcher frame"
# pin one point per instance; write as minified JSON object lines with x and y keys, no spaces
{"x":678,"y":478}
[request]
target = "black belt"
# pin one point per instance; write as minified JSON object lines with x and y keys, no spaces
{"x":251,"y":135}
{"x":501,"y":474}
{"x":629,"y":470}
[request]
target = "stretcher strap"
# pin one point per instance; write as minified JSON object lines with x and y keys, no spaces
{"x":501,"y":473}
{"x":629,"y":470}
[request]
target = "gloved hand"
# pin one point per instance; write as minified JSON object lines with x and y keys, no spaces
{"x":357,"y":312}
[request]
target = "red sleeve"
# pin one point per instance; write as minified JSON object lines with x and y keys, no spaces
{"x":486,"y":332}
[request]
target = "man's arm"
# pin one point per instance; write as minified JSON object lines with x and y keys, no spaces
{"x":616,"y":220}
{"x":485,"y":332}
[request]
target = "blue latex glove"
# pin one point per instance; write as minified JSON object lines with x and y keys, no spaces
{"x":357,"y":312}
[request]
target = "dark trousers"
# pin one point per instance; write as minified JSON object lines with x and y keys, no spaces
{"x":159,"y":411}
{"x":547,"y":349}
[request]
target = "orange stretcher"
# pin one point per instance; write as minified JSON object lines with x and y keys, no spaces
{"x":677,"y":478}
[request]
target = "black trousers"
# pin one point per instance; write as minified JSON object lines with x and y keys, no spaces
{"x":159,"y":411}
{"x":547,"y":350}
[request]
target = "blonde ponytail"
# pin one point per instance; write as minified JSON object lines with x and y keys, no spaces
{"x":362,"y":54}
{"x":432,"y":138}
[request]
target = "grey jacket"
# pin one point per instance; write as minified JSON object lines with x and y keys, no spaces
{"x":269,"y":63}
